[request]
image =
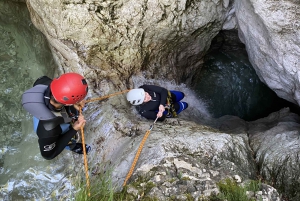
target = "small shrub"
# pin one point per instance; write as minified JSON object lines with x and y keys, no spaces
{"x":100,"y":189}
{"x":253,"y":186}
{"x":231,"y":191}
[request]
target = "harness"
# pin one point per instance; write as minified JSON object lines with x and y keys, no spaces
{"x":171,"y":112}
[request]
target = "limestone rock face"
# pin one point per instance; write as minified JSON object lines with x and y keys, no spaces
{"x":110,"y":41}
{"x":271,"y":32}
{"x":184,"y":157}
{"x":276,"y":149}
{"x":114,"y":39}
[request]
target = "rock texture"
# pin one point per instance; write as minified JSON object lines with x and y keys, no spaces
{"x":271,"y":31}
{"x":276,"y":148}
{"x":110,"y":41}
{"x":115,"y":39}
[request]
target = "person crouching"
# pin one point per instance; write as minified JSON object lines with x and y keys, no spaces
{"x":155,"y":101}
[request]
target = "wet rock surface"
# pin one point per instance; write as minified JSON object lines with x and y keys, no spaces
{"x":109,"y":41}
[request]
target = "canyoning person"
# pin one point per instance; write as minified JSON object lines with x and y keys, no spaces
{"x":54,"y":105}
{"x":154,"y":101}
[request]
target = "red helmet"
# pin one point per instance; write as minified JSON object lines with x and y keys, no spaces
{"x":69,"y":88}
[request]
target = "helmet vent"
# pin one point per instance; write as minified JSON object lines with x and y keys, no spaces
{"x":83,"y":82}
{"x":70,"y":88}
{"x":77,"y":97}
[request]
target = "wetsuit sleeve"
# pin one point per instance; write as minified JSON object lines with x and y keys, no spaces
{"x":162,"y":91}
{"x":148,"y":114}
{"x":53,"y":142}
{"x":152,"y":115}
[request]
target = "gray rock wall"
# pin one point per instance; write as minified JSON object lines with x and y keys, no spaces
{"x":110,"y":41}
{"x":271,"y":32}
{"x":115,"y":39}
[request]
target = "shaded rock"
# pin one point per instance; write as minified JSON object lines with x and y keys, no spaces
{"x":275,"y":142}
{"x":109,"y":41}
{"x":270,"y":31}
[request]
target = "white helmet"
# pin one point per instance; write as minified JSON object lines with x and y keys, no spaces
{"x":136,"y":96}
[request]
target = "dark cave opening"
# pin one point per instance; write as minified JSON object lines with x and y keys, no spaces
{"x":229,"y":85}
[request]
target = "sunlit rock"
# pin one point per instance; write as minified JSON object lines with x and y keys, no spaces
{"x":110,"y":41}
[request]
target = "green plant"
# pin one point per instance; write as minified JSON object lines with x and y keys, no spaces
{"x":189,"y":197}
{"x":253,"y":186}
{"x":100,"y":189}
{"x":231,"y":191}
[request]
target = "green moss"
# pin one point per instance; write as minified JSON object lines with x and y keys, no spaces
{"x":231,"y":191}
{"x":172,"y":180}
{"x":154,"y":169}
{"x":100,"y":188}
{"x":253,"y":185}
{"x":204,"y":198}
{"x":150,"y":185}
{"x":147,"y":198}
{"x":143,"y":186}
{"x":185,"y":178}
{"x":189,"y":197}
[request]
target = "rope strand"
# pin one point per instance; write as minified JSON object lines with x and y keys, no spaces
{"x":138,"y":153}
{"x":105,"y":97}
{"x":83,"y":141}
{"x":85,"y":159}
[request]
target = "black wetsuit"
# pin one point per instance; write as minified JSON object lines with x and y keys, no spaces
{"x":55,"y":132}
{"x":149,"y":109}
{"x":53,"y":142}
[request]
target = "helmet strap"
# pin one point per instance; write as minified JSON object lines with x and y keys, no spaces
{"x":47,"y":98}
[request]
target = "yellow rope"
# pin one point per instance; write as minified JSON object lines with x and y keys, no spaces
{"x":105,"y":97}
{"x":138,"y":154}
{"x":83,"y":141}
{"x":85,"y":159}
{"x":136,"y":157}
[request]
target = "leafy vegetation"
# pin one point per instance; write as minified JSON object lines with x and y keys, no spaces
{"x":231,"y":191}
{"x":102,"y":189}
